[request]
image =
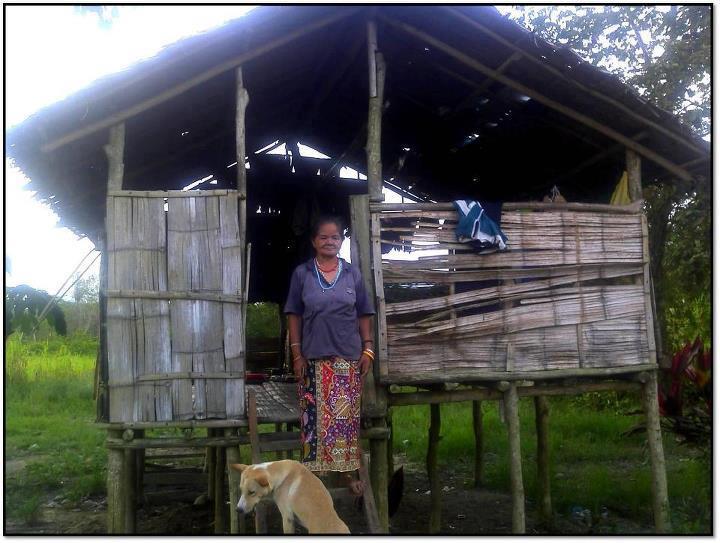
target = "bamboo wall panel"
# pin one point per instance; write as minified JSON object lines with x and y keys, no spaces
{"x":160,"y":346}
{"x":566,"y":295}
{"x":194,"y":263}
{"x":137,"y":330}
{"x":233,"y":325}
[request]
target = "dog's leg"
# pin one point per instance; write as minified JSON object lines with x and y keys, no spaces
{"x":288,"y":520}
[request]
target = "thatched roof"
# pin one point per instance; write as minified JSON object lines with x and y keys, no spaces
{"x":448,"y":130}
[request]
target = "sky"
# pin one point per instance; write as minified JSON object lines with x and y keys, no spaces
{"x":39,"y":253}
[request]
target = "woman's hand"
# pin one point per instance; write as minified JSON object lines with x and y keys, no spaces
{"x":365,"y":364}
{"x":299,"y":364}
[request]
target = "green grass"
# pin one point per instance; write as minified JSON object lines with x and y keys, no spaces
{"x":49,"y":415}
{"x":592,"y":463}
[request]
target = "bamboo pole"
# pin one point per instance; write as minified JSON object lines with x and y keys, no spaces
{"x":210,"y":193}
{"x":549,"y":102}
{"x":431,"y":463}
{"x":174,"y":443}
{"x":195,"y":81}
{"x":232,"y":454}
{"x":510,"y":397}
{"x":410,"y":207}
{"x":542,"y":410}
{"x":115,"y":499}
{"x":167,"y":295}
{"x":588,"y":90}
{"x":478,"y":432}
{"x":661,"y":505}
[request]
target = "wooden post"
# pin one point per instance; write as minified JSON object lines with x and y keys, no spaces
{"x":379,"y":474}
{"x":210,"y":467}
{"x":360,"y":256}
{"x":478,"y":431}
{"x":219,"y":500}
{"x":115,"y":151}
{"x":510,"y":397}
{"x":661,"y":506}
{"x":115,"y":499}
{"x":390,"y":447}
{"x":242,"y":99}
{"x":376,"y":66}
{"x":129,"y":477}
{"x":432,"y":469}
{"x":232,"y":454}
{"x":633,"y":167}
{"x":543,"y":459}
{"x":140,"y":469}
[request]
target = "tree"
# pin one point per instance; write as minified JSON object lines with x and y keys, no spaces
{"x":23,"y":307}
{"x":665,"y":53}
{"x":86,"y":290}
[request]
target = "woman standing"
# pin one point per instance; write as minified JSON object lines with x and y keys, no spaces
{"x":329,"y":320}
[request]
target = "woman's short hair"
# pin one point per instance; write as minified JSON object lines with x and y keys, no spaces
{"x":326,"y":219}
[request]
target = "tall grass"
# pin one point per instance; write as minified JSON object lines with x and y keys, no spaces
{"x":49,"y":416}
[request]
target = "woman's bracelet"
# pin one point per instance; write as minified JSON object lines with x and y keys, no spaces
{"x":293,"y":344}
{"x":369,"y":353}
{"x":368,"y":341}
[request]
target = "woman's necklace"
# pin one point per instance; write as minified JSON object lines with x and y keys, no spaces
{"x":331,"y":269}
{"x":337,"y":275}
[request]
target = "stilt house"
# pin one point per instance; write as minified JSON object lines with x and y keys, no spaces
{"x":172,"y":169}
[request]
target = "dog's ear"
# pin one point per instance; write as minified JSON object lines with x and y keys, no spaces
{"x":239,"y":467}
{"x":262,"y":480}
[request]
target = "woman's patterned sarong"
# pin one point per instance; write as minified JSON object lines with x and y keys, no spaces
{"x":330,"y":414}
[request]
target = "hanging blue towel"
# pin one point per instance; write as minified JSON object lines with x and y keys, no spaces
{"x":475,"y":227}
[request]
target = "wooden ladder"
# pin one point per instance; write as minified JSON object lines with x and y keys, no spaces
{"x":286,"y":441}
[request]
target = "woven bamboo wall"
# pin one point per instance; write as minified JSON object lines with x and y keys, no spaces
{"x":174,"y":313}
{"x":570,"y":293}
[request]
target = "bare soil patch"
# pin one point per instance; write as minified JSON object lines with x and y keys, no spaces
{"x":465,"y":511}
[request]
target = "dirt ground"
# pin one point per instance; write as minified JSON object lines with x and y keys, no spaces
{"x":170,"y":510}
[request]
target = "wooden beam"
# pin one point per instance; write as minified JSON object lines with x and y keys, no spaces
{"x":376,"y":65}
{"x":596,"y":94}
{"x":633,"y":167}
{"x":485,"y":85}
{"x":532,"y":93}
{"x":183,"y":87}
{"x":480,"y":394}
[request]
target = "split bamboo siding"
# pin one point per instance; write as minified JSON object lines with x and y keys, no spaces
{"x":174,"y":312}
{"x":571,"y":294}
